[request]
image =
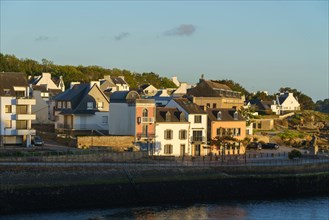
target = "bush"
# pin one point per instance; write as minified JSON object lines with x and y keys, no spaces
{"x":294,"y":154}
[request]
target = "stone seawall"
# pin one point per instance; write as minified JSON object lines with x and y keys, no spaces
{"x":119,"y":143}
{"x":156,"y":187}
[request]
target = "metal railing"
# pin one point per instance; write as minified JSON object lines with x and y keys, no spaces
{"x":111,"y":158}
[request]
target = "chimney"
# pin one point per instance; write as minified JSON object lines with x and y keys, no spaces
{"x":107,"y":77}
{"x":46,"y":75}
{"x":202,"y":78}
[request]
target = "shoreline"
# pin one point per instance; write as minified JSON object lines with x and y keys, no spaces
{"x":77,"y":188}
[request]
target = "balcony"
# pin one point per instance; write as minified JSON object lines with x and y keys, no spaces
{"x":145,"y":135}
{"x":25,"y":132}
{"x":198,"y":139}
{"x":25,"y":101}
{"x":147,"y":120}
{"x":25,"y":117}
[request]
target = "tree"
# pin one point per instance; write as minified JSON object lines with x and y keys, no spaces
{"x":322,"y":106}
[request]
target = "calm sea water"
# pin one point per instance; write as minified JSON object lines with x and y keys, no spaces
{"x":289,"y":208}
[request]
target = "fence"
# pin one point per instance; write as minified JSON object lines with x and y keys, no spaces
{"x":107,"y":158}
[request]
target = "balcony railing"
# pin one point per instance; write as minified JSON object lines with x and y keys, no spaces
{"x":145,"y":135}
{"x":147,"y":120}
{"x":25,"y":117}
{"x":25,"y":101}
{"x":198,"y":139}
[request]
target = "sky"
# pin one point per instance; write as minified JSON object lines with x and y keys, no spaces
{"x":262,"y":45}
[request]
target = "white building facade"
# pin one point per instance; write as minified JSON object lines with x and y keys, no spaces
{"x":15,"y":110}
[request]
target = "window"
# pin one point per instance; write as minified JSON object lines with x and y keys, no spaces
{"x":219,"y":115}
{"x":168,"y":149}
{"x":259,"y":125}
{"x":197,"y":119}
{"x":90,"y":105}
{"x":145,"y":112}
{"x":6,"y":91}
{"x":168,"y":134}
{"x":145,"y":130}
{"x":236,"y":115}
{"x":219,"y":132}
{"x":237,"y":131}
{"x":21,"y":109}
{"x":59,"y":104}
{"x":21,"y":124}
{"x":20,"y":94}
{"x":208,"y":105}
{"x":100,"y":105}
{"x":182,"y":116}
{"x":168,"y":117}
{"x":7,"y":108}
{"x":68,"y":104}
{"x":105,"y":119}
{"x":7,"y":123}
{"x":183,"y":134}
{"x":214,"y":105}
{"x":197,"y":136}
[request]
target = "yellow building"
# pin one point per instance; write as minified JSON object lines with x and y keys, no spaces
{"x":226,"y":123}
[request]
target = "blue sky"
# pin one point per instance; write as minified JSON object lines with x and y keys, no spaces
{"x":263,"y":45}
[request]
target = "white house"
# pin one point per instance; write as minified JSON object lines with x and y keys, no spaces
{"x":148,"y":90}
{"x":15,"y":110}
{"x":171,"y":133}
{"x":84,"y":107}
{"x":198,"y":125}
{"x":286,"y":102}
{"x":47,"y":80}
{"x":113,"y":84}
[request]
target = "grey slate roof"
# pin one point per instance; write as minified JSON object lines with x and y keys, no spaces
{"x":189,"y":106}
{"x":176,"y":115}
{"x":122,"y":96}
{"x":118,"y":80}
{"x":10,"y":79}
{"x":75,"y":95}
{"x":227,"y":114}
{"x":207,"y":88}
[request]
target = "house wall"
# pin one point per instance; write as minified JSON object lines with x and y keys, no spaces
{"x":122,"y":119}
{"x":228,"y":124}
{"x":46,"y":80}
{"x":194,"y":126}
{"x":219,"y":102}
{"x":160,"y":141}
{"x":290,"y":104}
{"x":41,"y":109}
{"x":12,"y":135}
{"x":263,"y":124}
{"x":151,"y":114}
{"x":91,"y":122}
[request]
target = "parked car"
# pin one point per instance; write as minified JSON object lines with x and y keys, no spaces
{"x":37,"y":141}
{"x":254,"y":145}
{"x":270,"y":146}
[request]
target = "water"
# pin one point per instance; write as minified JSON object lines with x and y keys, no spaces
{"x":289,"y":208}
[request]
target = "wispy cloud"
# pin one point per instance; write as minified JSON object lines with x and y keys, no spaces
{"x":121,"y":36}
{"x":42,"y":38}
{"x":182,"y":30}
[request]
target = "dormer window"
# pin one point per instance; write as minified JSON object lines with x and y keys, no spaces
{"x":182,"y":116}
{"x":168,"y":117}
{"x":145,"y":112}
{"x":236,"y":115}
{"x":6,"y":91}
{"x":90,"y":105}
{"x":219,"y":115}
